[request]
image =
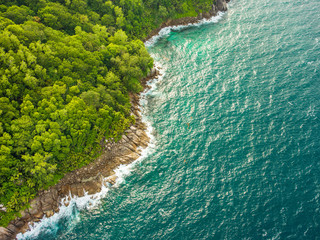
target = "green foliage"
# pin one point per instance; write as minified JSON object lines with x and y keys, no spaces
{"x":66,"y":70}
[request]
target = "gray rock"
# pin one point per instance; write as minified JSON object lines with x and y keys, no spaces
{"x":5,"y":234}
{"x":214,"y":10}
{"x":25,"y":215}
{"x":12,"y":228}
{"x":222,"y":5}
{"x":35,"y":206}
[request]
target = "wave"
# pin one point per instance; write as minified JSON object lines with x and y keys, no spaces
{"x":71,"y":206}
{"x":167,"y":30}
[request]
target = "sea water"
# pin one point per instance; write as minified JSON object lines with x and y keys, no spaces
{"x":236,"y":125}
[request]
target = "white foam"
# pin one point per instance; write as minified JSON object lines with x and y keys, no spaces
{"x":166,"y":31}
{"x":75,"y":204}
{"x":69,"y":213}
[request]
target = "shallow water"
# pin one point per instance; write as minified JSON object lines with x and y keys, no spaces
{"x":236,"y":123}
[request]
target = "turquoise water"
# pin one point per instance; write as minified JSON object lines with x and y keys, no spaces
{"x":236,"y":123}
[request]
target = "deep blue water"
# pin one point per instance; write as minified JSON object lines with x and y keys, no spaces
{"x":236,"y":121}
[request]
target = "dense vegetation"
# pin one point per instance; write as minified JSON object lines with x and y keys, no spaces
{"x":66,"y":69}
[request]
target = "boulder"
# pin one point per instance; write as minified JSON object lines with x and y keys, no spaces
{"x":214,"y":10}
{"x":39,"y":215}
{"x":222,"y":5}
{"x":134,"y":138}
{"x":92,"y":187}
{"x":35,"y":206}
{"x":112,"y":179}
{"x":18,"y":223}
{"x":5,"y":234}
{"x":132,"y":156}
{"x":49,"y":213}
{"x":206,"y":15}
{"x":47,"y":202}
{"x":25,"y":215}
{"x":12,"y":228}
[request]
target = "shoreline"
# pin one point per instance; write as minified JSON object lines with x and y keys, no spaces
{"x":91,"y":178}
{"x":221,"y":6}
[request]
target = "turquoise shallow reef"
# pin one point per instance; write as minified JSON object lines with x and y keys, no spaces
{"x":236,"y":126}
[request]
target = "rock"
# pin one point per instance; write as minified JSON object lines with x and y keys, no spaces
{"x":24,"y":228}
{"x":79,"y":192}
{"x":25,"y":215}
{"x":222,"y":5}
{"x":39,"y":215}
{"x":35,"y":206}
{"x":92,"y":187}
{"x":133,"y":128}
{"x":65,"y":190}
{"x":140,"y":133}
{"x":124,"y":137}
{"x":133,"y":156}
{"x":12,"y":228}
{"x":214,"y":10}
{"x":54,"y":194}
{"x":206,"y":15}
{"x":122,"y":160}
{"x":112,"y":179}
{"x":134,"y":138}
{"x":131,"y":147}
{"x":18,"y":223}
{"x":49,"y":213}
{"x":5,"y":234}
{"x":151,"y":73}
{"x":47,"y":201}
{"x":76,"y":190}
{"x":124,"y":150}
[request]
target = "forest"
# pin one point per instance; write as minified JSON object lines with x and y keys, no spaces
{"x":66,"y":70}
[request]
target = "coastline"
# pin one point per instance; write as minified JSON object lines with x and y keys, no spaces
{"x":92,"y":178}
{"x":89,"y":179}
{"x":221,"y":6}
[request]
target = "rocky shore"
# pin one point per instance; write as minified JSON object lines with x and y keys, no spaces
{"x":90,"y":178}
{"x":218,"y":6}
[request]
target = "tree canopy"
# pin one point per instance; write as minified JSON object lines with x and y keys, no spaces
{"x":66,"y":70}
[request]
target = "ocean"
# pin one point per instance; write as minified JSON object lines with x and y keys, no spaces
{"x":235,"y":126}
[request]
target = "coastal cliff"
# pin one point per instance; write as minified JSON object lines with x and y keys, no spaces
{"x":91,"y":177}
